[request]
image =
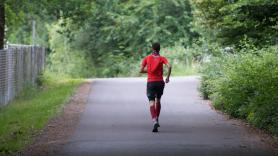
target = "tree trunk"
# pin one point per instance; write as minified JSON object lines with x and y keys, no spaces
{"x":2,"y":24}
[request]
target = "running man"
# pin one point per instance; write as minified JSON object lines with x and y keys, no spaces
{"x":153,"y":65}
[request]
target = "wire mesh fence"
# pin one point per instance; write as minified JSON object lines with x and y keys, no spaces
{"x":19,"y":65}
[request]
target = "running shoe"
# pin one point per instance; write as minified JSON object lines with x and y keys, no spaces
{"x":157,"y":122}
{"x":155,"y":126}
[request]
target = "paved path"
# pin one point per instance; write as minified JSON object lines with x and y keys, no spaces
{"x":117,"y":122}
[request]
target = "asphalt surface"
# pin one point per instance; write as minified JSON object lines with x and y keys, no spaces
{"x":117,"y":122}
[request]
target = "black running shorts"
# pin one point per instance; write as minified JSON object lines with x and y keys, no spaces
{"x":155,"y":89}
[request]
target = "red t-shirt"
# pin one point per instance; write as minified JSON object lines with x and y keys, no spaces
{"x":154,"y":65}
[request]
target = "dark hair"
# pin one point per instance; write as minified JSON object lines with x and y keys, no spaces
{"x":156,"y":46}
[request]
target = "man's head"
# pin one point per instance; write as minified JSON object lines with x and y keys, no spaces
{"x":156,"y":46}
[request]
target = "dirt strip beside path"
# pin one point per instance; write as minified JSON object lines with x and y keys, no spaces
{"x":56,"y":133}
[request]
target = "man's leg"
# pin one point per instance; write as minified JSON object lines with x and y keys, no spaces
{"x":153,"y":110}
{"x":157,"y":106}
{"x":154,"y":115}
{"x":157,"y":109}
{"x":151,"y":96}
{"x":160,"y":89}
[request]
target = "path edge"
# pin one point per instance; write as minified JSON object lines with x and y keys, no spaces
{"x":56,"y":133}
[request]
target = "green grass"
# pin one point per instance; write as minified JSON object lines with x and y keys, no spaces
{"x":30,"y":111}
{"x":183,"y":70}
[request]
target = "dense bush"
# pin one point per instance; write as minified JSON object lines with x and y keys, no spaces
{"x":211,"y":71}
{"x":245,"y":86}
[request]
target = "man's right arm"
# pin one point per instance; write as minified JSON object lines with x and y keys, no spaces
{"x":143,"y":69}
{"x":143,"y":66}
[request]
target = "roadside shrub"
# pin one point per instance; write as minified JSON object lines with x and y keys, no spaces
{"x":245,"y":86}
{"x":211,"y":71}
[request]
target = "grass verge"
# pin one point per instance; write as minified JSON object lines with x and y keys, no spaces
{"x":30,"y":111}
{"x":185,"y":70}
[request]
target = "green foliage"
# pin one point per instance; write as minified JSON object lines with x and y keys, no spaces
{"x":20,"y":14}
{"x":229,"y":22}
{"x":129,"y":27}
{"x":28,"y":113}
{"x":96,"y":32}
{"x":63,"y":59}
{"x":244,"y":85}
{"x":117,"y":34}
{"x":100,"y":38}
{"x":183,"y":60}
{"x":211,"y":71}
{"x":239,"y":76}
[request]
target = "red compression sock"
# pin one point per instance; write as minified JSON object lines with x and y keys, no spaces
{"x":153,"y":112}
{"x":158,"y":108}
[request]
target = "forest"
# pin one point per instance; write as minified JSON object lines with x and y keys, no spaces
{"x":232,"y":44}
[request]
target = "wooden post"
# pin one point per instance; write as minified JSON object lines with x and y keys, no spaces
{"x":2,"y":24}
{"x":33,"y":32}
